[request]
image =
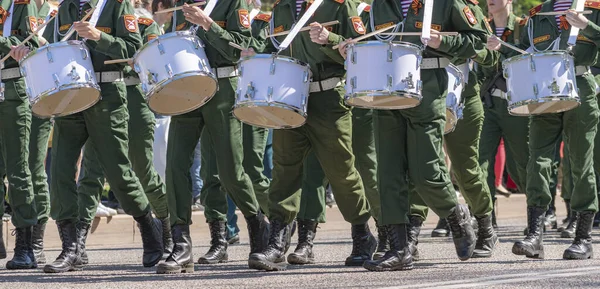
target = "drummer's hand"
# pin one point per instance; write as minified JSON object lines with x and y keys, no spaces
{"x":493,"y":43}
{"x":576,"y":19}
{"x":318,"y":33}
{"x":197,"y":16}
{"x":436,"y":39}
{"x":18,"y":52}
{"x":248,"y":52}
{"x":343,"y":46}
{"x":86,"y":30}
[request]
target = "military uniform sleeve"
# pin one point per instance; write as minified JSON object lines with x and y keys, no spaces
{"x":592,"y":31}
{"x":351,"y":26}
{"x":471,"y":38}
{"x":262,"y":43}
{"x":151,"y":31}
{"x":127,"y":39}
{"x":26,"y":23}
{"x":238,"y":31}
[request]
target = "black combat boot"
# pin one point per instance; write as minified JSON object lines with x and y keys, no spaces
{"x":582,"y":245}
{"x":38,"y":243}
{"x":569,"y":231}
{"x":304,"y":251}
{"x":23,"y":257}
{"x":382,"y":242}
{"x":218,"y":244}
{"x":363,"y":245}
{"x":150,"y":230}
{"x":494,"y":222}
{"x":70,"y":257}
{"x":83,"y":230}
{"x":398,"y":257}
{"x":180,"y":260}
{"x":532,"y":246}
{"x":414,"y":229}
{"x":273,"y":257}
{"x":258,"y":231}
{"x":441,"y":229}
{"x":2,"y":247}
{"x":167,"y":237}
{"x":463,"y":235}
{"x":486,"y":238}
{"x":566,"y":220}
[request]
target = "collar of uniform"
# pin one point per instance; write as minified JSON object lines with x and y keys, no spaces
{"x":44,"y":10}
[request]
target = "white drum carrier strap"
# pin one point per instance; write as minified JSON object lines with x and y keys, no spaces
{"x":7,"y":28}
{"x":97,"y":12}
{"x":298,"y":25}
{"x":46,"y":21}
{"x":361,"y":7}
{"x":579,"y":4}
{"x":253,"y":14}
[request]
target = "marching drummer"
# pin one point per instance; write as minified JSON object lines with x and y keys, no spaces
{"x":417,"y":132}
{"x":229,"y":22}
{"x":578,"y":126}
{"x":19,"y":19}
{"x":140,"y":141}
{"x":104,"y":125}
{"x":462,"y":146}
{"x":498,"y":123}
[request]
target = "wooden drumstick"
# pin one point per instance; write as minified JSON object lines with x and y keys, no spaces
{"x":553,"y":13}
{"x":510,"y":45}
{"x":368,"y":35}
{"x":305,"y":28}
{"x":419,"y":33}
{"x":179,"y":8}
{"x":30,"y":36}
{"x":71,"y":30}
{"x":115,"y":61}
{"x":236,"y":46}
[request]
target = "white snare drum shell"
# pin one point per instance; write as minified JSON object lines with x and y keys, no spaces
{"x":175,"y":73}
{"x":542,"y":82}
{"x":454,"y":105}
{"x":383,"y":75}
{"x":68,"y":84}
{"x":272,"y":91}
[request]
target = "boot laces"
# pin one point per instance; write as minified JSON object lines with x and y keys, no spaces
{"x":455,"y":225}
{"x":581,"y":230}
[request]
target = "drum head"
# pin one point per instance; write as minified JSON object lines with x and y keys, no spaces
{"x":535,"y":108}
{"x":276,"y":117}
{"x":451,"y":121}
{"x":66,"y":102}
{"x":383,"y":102}
{"x":182,"y":95}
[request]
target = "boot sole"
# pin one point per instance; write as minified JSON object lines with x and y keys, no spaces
{"x":439,"y":235}
{"x":378,"y":255}
{"x":380,"y":269}
{"x":539,"y":254}
{"x":297,"y":260}
{"x":573,"y":256}
{"x":267,"y":266}
{"x":11,"y":267}
{"x":51,"y":270}
{"x":210,"y":262}
{"x":189,"y":268}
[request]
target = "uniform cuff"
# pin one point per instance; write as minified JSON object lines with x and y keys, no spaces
{"x":214,"y":31}
{"x":103,"y":44}
{"x":446,"y":44}
{"x":591,"y":31}
{"x":334,"y":39}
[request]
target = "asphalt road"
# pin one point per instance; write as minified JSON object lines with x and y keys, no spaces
{"x":119,"y":265}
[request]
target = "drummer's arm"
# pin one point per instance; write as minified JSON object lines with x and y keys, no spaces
{"x":152,"y":31}
{"x":262,"y":43}
{"x":592,"y":30}
{"x":347,"y":28}
{"x":126,"y":41}
{"x":25,"y":14}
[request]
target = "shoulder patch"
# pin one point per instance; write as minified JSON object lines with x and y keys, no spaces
{"x":19,"y":2}
{"x":130,"y":23}
{"x":358,"y":25}
{"x":33,"y":23}
{"x":244,"y":18}
{"x":541,"y":38}
{"x":583,"y":38}
{"x":340,"y":1}
{"x":3,"y":15}
{"x":145,"y":21}
{"x":475,"y":2}
{"x":470,"y":16}
{"x":592,"y":4}
{"x":535,"y":10}
{"x":263,"y":17}
{"x":367,"y":8}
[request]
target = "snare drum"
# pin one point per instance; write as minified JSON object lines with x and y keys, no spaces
{"x":175,"y":74}
{"x":272,"y":91}
{"x":383,"y":75}
{"x":454,"y":105}
{"x":541,"y":82}
{"x":60,"y":79}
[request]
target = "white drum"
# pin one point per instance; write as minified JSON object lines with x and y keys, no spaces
{"x":383,"y":75}
{"x":454,"y":103}
{"x":272,"y":91}
{"x":175,"y":74}
{"x":60,"y":79}
{"x":541,"y":82}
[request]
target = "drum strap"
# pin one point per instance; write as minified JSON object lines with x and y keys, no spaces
{"x":517,"y":30}
{"x":6,"y":29}
{"x":46,"y":20}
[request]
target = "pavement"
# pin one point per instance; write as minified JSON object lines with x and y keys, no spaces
{"x":115,"y":261}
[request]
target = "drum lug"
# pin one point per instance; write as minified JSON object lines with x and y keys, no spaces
{"x":88,"y":76}
{"x":419,"y":85}
{"x":56,"y":80}
{"x":152,"y":77}
{"x":353,"y":82}
{"x":84,"y":52}
{"x":305,"y":80}
{"x":303,"y":101}
{"x":508,"y":98}
{"x":73,"y":74}
{"x":459,"y":112}
{"x":535,"y":90}
{"x":505,"y":73}
{"x":1,"y":91}
{"x":457,"y":82}
{"x":570,"y":87}
{"x":23,"y":71}
{"x":250,"y":91}
{"x":554,"y":87}
{"x":161,"y":48}
{"x":408,"y":81}
{"x":270,"y":94}
{"x":353,"y":57}
{"x":389,"y":53}
{"x":272,"y":69}
{"x":145,"y":90}
{"x":49,"y":55}
{"x":532,"y":63}
{"x":241,"y":71}
{"x":419,"y":61}
{"x":390,"y":82}
{"x":169,"y":70}
{"x":136,"y":68}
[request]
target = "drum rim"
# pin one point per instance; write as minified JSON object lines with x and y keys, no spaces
{"x":278,"y":57}
{"x":376,"y":93}
{"x":179,"y":76}
{"x":61,"y":88}
{"x":510,"y":106}
{"x":394,"y":43}
{"x":246,"y":103}
{"x":539,"y":53}
{"x":178,"y":34}
{"x":456,"y":69}
{"x":454,"y":120}
{"x":55,"y":44}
